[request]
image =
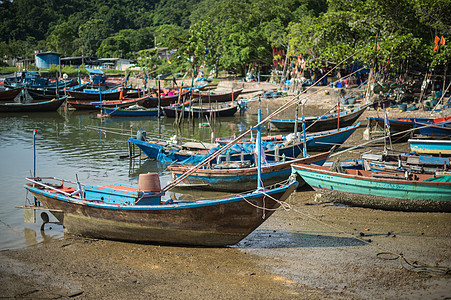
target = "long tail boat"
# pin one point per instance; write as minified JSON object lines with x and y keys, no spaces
{"x":406,"y":124}
{"x":49,"y":105}
{"x":442,"y":129}
{"x":92,"y":105}
{"x":10,"y":94}
{"x":229,"y":177}
{"x":393,"y":191}
{"x":138,"y":213}
{"x":165,"y":100}
{"x":423,"y":164}
{"x":50,"y":92}
{"x":430,"y":146}
{"x":326,"y":122}
{"x":289,"y":149}
{"x":213,"y":97}
{"x":218,"y":111}
{"x":95,"y":94}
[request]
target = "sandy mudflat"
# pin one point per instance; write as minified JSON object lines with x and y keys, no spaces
{"x":314,"y":250}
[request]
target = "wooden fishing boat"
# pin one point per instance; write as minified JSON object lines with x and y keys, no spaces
{"x":434,"y":147}
{"x":393,"y":191}
{"x":442,"y":129}
{"x":92,"y":105}
{"x":406,"y":162}
{"x":50,"y":92}
{"x":95,"y":94}
{"x":405,"y":125}
{"x":315,"y":141}
{"x":165,"y":100}
{"x":212,"y":97}
{"x":10,"y":94}
{"x":326,"y":139}
{"x":292,"y":148}
{"x":130,"y":213}
{"x":134,"y":93}
{"x":34,"y":79}
{"x":232,"y":177}
{"x":325,"y":122}
{"x":194,"y":152}
{"x":227,"y":110}
{"x":377,"y":125}
{"x":49,"y":105}
{"x":426,"y":120}
{"x":131,"y":111}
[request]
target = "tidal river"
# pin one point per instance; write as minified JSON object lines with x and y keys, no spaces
{"x":70,"y":143}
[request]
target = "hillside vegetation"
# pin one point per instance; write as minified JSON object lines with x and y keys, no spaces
{"x":396,"y":35}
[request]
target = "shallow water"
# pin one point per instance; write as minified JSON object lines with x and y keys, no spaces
{"x":73,"y":142}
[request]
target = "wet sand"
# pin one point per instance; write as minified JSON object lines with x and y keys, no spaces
{"x":313,"y":250}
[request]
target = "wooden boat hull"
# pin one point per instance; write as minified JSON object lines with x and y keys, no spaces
{"x":323,"y":123}
{"x":357,"y":187}
{"x":436,"y":129}
{"x":51,"y":105}
{"x":316,"y":141}
{"x":210,"y":223}
{"x":50,"y":92}
{"x":326,"y":139}
{"x":395,"y":127}
{"x":434,"y":147}
{"x":212,"y":98}
{"x":93,"y":105}
{"x":10,"y":94}
{"x":172,"y":112}
{"x":290,"y":151}
{"x":152,"y":102}
{"x":401,"y":163}
{"x":243,"y":179}
{"x":104,"y":95}
{"x":153,"y":150}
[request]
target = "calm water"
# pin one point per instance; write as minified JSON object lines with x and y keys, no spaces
{"x":70,"y":143}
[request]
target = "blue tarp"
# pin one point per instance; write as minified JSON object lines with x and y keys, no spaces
{"x":94,"y":71}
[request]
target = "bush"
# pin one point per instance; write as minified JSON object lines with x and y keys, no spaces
{"x":8,"y":69}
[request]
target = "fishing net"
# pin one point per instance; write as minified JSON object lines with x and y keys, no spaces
{"x":163,"y":158}
{"x":193,"y":160}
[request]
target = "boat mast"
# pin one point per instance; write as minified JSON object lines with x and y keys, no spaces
{"x":34,"y":152}
{"x":259,"y":150}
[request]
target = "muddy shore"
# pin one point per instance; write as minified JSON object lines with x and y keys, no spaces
{"x":313,"y":250}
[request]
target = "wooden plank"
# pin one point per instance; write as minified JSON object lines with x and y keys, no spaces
{"x":38,"y":208}
{"x":197,"y":145}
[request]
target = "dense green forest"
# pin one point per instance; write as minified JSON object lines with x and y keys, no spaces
{"x":398,"y":35}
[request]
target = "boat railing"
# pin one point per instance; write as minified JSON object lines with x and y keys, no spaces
{"x":38,"y":181}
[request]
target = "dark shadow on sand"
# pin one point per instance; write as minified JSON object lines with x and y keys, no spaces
{"x":269,"y":239}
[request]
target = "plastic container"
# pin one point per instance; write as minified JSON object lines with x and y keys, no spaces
{"x":402,"y":107}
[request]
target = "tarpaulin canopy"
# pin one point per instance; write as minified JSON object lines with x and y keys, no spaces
{"x":94,"y":71}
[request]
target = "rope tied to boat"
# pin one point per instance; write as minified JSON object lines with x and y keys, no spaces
{"x":286,"y":206}
{"x":415,"y":265}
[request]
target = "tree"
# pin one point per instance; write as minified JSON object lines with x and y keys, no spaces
{"x":115,"y":46}
{"x":200,"y":46}
{"x":92,"y":34}
{"x":61,"y":39}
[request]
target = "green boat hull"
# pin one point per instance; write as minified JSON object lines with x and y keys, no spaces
{"x":382,"y":193}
